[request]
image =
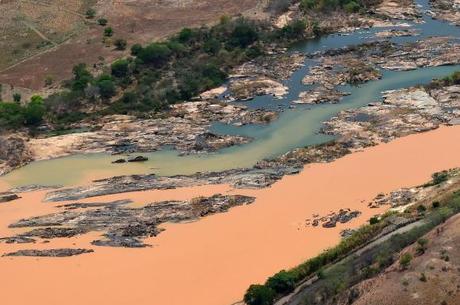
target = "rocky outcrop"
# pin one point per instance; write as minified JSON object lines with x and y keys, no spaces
{"x":50,"y":252}
{"x":247,"y":88}
{"x":263,"y":76}
{"x":396,"y":33}
{"x":402,"y":112}
{"x":5,"y":197}
{"x":239,"y":178}
{"x":398,"y":9}
{"x":448,"y":10}
{"x":331,"y":220}
{"x":14,"y":152}
{"x":320,"y":95}
{"x":121,"y":226}
{"x":185,"y":128}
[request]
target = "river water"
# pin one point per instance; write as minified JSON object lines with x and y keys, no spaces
{"x":296,"y":127}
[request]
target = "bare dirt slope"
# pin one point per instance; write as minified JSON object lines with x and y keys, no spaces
{"x":54,"y":36}
{"x":440,"y":265}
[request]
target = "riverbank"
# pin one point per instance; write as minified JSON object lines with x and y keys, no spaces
{"x":254,"y":241}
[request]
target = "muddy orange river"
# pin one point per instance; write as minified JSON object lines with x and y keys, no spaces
{"x":214,"y":260}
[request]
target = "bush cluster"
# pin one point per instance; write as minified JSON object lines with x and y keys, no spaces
{"x":13,"y":115}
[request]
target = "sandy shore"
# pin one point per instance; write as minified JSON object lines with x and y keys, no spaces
{"x":213,"y":261}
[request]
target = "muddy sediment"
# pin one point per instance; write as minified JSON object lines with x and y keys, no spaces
{"x":254,"y":241}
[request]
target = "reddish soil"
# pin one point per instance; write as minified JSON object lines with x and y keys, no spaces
{"x":138,"y":21}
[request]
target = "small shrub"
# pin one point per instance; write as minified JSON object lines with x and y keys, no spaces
{"x":49,"y":80}
{"x":405,"y":260}
{"x":421,"y":209}
{"x":90,"y":13}
{"x":436,"y":204}
{"x":374,"y":220}
{"x":120,"y":44}
{"x":102,"y":21}
{"x":17,"y":97}
{"x":108,"y":32}
{"x":422,"y":245}
{"x":352,"y":7}
{"x":422,"y":277}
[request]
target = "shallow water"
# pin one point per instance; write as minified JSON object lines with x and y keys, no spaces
{"x":296,"y":127}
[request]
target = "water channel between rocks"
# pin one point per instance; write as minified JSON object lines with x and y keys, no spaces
{"x":296,"y":127}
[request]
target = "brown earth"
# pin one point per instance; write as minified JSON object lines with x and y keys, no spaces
{"x":137,"y":21}
{"x":440,"y":265}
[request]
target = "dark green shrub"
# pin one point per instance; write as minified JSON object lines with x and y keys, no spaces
{"x":136,"y":49}
{"x":283,"y":282}
{"x":90,"y":13}
{"x":421,"y":209}
{"x":259,"y":295}
{"x":34,"y":111}
{"x":120,"y":44}
{"x":155,"y":53}
{"x":352,"y":7}
{"x":243,"y":34}
{"x":120,"y":68}
{"x":308,"y":4}
{"x":17,"y":97}
{"x":108,"y":32}
{"x":106,"y":86}
{"x":374,"y":220}
{"x":11,"y":115}
{"x":185,"y":35}
{"x":102,"y":21}
{"x":294,"y":29}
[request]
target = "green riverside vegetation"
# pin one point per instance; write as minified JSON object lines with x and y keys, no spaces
{"x":171,"y":71}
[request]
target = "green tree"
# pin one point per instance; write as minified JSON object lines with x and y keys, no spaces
{"x":155,"y":53}
{"x":106,"y":86}
{"x":283,"y":282}
{"x":352,"y":7}
{"x":11,"y":115}
{"x":243,"y":34}
{"x":120,"y":68}
{"x":211,"y":46}
{"x":82,"y":77}
{"x":136,"y":49}
{"x":259,"y":295}
{"x":185,"y":35}
{"x":294,"y":29}
{"x":34,"y":111}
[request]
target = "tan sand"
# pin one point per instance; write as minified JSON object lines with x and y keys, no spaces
{"x":213,"y":261}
